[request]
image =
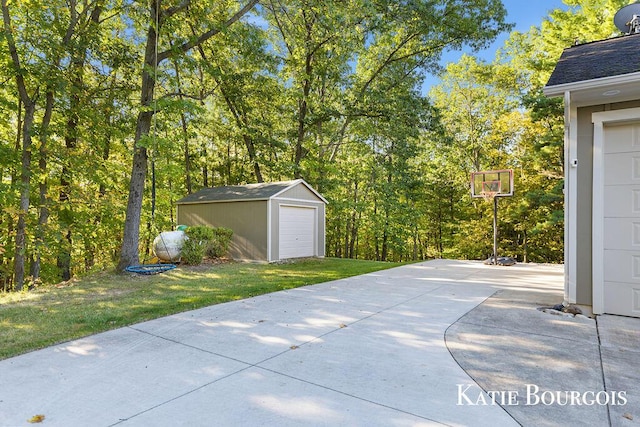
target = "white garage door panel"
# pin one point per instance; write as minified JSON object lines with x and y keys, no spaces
{"x":622,"y":234}
{"x":622,"y":138}
{"x":622,"y":298}
{"x":622,"y":168}
{"x":297,"y":232}
{"x":622,"y":266}
{"x":622,"y":201}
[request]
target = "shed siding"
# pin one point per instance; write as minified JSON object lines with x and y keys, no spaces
{"x":248,"y":220}
{"x":584,"y":211}
{"x":299,"y":192}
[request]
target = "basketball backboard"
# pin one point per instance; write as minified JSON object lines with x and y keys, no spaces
{"x":489,"y":184}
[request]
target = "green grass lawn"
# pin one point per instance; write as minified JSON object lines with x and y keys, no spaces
{"x":53,"y":314}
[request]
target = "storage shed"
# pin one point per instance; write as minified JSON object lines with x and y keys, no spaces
{"x":600,"y":84}
{"x":270,"y":221}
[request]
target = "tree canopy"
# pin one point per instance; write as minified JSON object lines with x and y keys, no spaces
{"x":114,"y":109}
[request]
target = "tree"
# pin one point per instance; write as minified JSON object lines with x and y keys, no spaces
{"x":57,"y":26}
{"x":158,"y":17}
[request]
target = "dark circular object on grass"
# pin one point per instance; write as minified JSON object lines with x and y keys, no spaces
{"x":150,"y":268}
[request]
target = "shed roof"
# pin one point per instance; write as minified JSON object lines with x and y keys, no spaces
{"x":599,"y":59}
{"x":259,"y":191}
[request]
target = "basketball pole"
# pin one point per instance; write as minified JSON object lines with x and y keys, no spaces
{"x":495,"y":230}
{"x":491,"y":185}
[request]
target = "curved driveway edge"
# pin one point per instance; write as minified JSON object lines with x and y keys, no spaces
{"x":561,"y":370}
{"x":367,"y":350}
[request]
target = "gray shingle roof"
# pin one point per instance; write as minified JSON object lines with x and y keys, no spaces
{"x":604,"y":58}
{"x":261,"y":191}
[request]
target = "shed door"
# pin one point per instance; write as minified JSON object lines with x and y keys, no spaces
{"x":621,"y":220}
{"x":297,"y":232}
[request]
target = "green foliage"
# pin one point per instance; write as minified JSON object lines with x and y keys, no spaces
{"x":192,"y":253}
{"x":203,"y":240}
{"x":195,"y":246}
{"x":219,"y":244}
{"x":284,"y":95}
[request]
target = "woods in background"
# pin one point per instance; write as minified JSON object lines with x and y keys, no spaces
{"x":111,"y":110}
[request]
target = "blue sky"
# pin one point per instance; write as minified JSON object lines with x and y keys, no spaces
{"x":523,"y":13}
{"x":526,"y":13}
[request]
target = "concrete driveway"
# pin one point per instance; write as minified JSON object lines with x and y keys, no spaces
{"x":367,"y":350}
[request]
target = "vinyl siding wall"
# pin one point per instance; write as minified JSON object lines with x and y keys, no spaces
{"x":248,"y":220}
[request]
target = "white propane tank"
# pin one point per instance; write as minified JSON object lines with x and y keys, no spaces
{"x":168,"y":245}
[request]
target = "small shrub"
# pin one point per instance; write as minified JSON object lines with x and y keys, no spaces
{"x":192,"y":254}
{"x":195,"y":246}
{"x":201,"y":233}
{"x":219,"y":245}
{"x":202,"y":240}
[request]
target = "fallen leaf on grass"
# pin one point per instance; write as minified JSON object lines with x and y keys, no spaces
{"x":36,"y":419}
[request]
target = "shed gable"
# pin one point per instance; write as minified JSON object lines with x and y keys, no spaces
{"x":299,"y":192}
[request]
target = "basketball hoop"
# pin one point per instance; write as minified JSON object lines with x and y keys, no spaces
{"x":490,"y":189}
{"x":489,"y":196}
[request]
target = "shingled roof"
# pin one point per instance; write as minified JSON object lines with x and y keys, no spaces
{"x":604,"y":58}
{"x":260,"y":191}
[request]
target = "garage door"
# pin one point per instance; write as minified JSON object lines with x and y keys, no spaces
{"x":297,"y":232}
{"x":621,"y":222}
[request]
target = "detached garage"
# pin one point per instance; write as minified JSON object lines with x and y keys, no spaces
{"x":270,"y":221}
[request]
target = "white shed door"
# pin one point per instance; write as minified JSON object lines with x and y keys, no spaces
{"x":297,"y":232}
{"x":621,"y":222}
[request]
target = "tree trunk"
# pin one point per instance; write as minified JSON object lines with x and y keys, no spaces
{"x":185,"y":134}
{"x":43,"y":186}
{"x":71,"y":141}
{"x":14,"y":183}
{"x":25,"y":190}
{"x":131,"y":233}
{"x":187,"y":155}
{"x":205,"y":167}
{"x":129,"y":251}
{"x":302,"y":113}
{"x":354,"y":222}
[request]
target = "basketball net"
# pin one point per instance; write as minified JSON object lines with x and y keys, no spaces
{"x":489,"y":195}
{"x":490,"y":189}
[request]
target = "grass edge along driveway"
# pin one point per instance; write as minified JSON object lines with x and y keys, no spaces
{"x":104,"y":301}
